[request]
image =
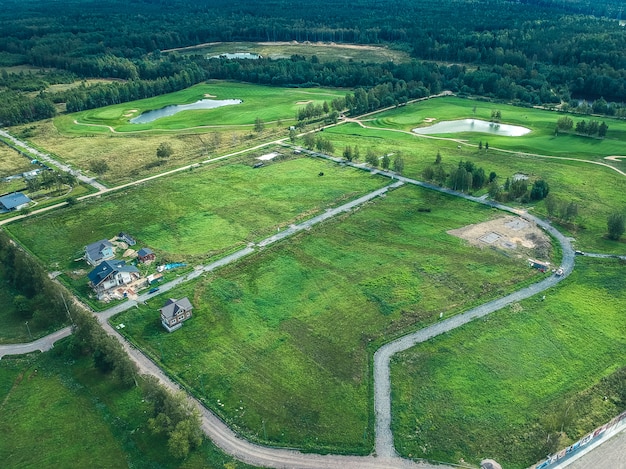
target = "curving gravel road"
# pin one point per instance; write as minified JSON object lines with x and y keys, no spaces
{"x":43,"y":345}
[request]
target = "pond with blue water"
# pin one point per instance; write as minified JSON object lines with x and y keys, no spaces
{"x":167,"y":111}
{"x":472,"y":125}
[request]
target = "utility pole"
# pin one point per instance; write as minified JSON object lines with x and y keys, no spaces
{"x":31,"y":336}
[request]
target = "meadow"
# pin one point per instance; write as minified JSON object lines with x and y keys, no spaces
{"x":597,"y":190}
{"x":280,"y":343}
{"x":61,"y":412}
{"x":539,"y":371}
{"x":11,"y":162}
{"x":197,"y":215}
{"x":540,"y":140}
{"x":130,"y":151}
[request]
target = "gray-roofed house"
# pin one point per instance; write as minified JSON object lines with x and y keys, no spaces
{"x":14,"y":201}
{"x":175,"y":312}
{"x":145,"y":255}
{"x":99,"y":251}
{"x":112,"y":274}
{"x":128,"y":239}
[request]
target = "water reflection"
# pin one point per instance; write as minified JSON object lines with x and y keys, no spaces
{"x":167,"y":111}
{"x":472,"y":125}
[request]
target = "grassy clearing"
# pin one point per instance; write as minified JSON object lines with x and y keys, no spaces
{"x":497,"y":387}
{"x":323,"y":51}
{"x":46,"y":401}
{"x":542,"y":123}
{"x":598,"y":191}
{"x":264,"y":102}
{"x":131,"y":154}
{"x":279,"y":344}
{"x":11,"y":162}
{"x":198,"y":215}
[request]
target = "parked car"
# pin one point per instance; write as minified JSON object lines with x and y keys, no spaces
{"x":579,"y":253}
{"x":154,"y":290}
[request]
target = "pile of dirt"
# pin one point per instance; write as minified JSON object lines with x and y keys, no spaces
{"x":509,"y":233}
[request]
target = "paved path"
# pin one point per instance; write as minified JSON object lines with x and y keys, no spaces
{"x":612,"y":456}
{"x":44,"y":344}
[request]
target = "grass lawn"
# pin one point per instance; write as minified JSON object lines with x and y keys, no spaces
{"x":598,"y":191}
{"x":131,"y":152}
{"x":267,"y":103}
{"x":497,"y":387}
{"x":280,"y":342}
{"x":542,"y":123}
{"x":197,"y":215}
{"x":57,"y":412}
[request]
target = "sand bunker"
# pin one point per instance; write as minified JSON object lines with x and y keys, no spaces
{"x":428,"y":120}
{"x":303,"y":102}
{"x":207,"y":95}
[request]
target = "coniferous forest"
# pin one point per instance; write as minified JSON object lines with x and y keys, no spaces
{"x":528,"y":52}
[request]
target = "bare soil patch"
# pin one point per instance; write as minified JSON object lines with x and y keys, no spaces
{"x":303,"y":102}
{"x":508,"y":233}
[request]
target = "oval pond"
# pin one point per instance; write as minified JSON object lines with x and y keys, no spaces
{"x":472,"y":125}
{"x":167,"y":111}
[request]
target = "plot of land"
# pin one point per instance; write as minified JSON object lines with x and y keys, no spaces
{"x":282,"y":338}
{"x":511,"y":233}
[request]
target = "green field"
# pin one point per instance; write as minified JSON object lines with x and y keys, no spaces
{"x":283,"y":339}
{"x":498,"y":387}
{"x":11,"y":162}
{"x":540,"y":140}
{"x":597,"y":190}
{"x":58,"y":412}
{"x":267,"y":103}
{"x":323,"y":51}
{"x":197,"y":215}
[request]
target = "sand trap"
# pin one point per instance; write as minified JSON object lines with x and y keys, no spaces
{"x":207,"y":95}
{"x":428,"y":120}
{"x":268,"y":157}
{"x":614,"y":158}
{"x":304,"y":102}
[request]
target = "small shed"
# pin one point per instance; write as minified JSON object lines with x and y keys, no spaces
{"x":175,"y":312}
{"x":145,"y":255}
{"x":128,"y":239}
{"x":540,"y":265}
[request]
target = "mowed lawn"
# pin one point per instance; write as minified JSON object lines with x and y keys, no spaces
{"x":499,"y":386}
{"x":598,"y":191}
{"x":195,"y":215}
{"x":280,"y":343}
{"x":542,"y":124}
{"x":264,"y":102}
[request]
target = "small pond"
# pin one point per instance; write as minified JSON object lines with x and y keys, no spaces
{"x":472,"y":125}
{"x":167,"y":111}
{"x":237,"y":55}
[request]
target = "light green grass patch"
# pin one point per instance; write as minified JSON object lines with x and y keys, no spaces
{"x":499,"y":386}
{"x":282,"y":339}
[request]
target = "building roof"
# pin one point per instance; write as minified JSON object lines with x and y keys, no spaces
{"x":107,"y":268}
{"x":173,"y":307}
{"x":94,"y":250}
{"x":143,"y":252}
{"x":13,"y":200}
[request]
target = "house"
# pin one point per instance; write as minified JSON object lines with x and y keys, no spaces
{"x":175,"y":312}
{"x":145,"y":255}
{"x":111,"y":274}
{"x":128,"y":239}
{"x":99,"y":251}
{"x":14,"y":201}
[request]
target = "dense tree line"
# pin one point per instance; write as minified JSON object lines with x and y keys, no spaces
{"x":36,"y":298}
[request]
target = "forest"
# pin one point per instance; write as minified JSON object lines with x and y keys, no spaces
{"x":528,"y":52}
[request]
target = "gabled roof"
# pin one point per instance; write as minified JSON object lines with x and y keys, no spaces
{"x":94,"y":250}
{"x":143,"y":252}
{"x":107,"y":268}
{"x":173,"y":307}
{"x":13,"y":200}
